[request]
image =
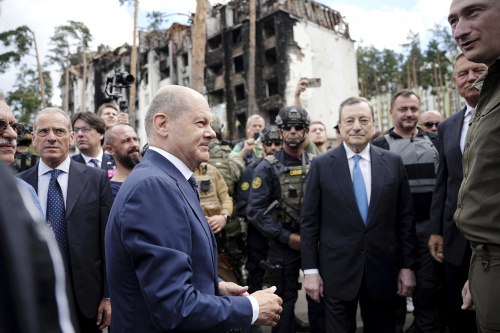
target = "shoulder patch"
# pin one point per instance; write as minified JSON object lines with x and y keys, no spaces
{"x":257,"y":182}
{"x":245,"y":186}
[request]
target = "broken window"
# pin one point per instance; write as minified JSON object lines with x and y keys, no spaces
{"x":185,"y":59}
{"x":216,"y":97}
{"x":238,"y":64}
{"x":214,"y":43}
{"x":272,"y":87}
{"x":270,"y":56}
{"x":268,"y":27}
{"x":214,"y":70}
{"x":239,"y":92}
{"x":237,"y":36}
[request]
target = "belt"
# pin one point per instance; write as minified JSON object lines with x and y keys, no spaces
{"x":486,"y":252}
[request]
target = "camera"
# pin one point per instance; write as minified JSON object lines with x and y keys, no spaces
{"x":118,"y":81}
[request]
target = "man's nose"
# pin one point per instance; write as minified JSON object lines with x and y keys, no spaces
{"x":9,"y":133}
{"x":460,"y":30}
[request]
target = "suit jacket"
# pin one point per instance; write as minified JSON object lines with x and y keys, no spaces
{"x":349,"y":249}
{"x":162,"y":258}
{"x":107,"y":161}
{"x":88,"y":204}
{"x":448,"y":180}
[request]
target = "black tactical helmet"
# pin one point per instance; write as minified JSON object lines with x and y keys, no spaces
{"x":292,"y":115}
{"x":270,"y":132}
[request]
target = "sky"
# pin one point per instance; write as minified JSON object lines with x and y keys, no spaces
{"x":382,"y":23}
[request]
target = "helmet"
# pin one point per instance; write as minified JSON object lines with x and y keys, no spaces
{"x":217,"y":126}
{"x":292,"y":115}
{"x":270,"y":132}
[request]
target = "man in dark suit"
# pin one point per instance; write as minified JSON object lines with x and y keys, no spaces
{"x":357,"y":230}
{"x":160,"y":250}
{"x":89,"y":133}
{"x":446,"y":242}
{"x":76,"y":200}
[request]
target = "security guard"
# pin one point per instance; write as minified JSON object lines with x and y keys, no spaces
{"x":276,"y":193}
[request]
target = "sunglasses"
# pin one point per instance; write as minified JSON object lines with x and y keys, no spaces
{"x":19,"y":128}
{"x":276,"y":142}
{"x":430,"y":124}
{"x":298,"y":127}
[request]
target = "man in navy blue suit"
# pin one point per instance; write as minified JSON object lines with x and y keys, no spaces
{"x":357,"y":229}
{"x":160,"y":250}
{"x":446,"y":243}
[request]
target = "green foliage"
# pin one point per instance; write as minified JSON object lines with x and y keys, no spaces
{"x":25,"y":100}
{"x":21,"y":39}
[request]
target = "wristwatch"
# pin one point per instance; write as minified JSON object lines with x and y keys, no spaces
{"x":227,"y":217}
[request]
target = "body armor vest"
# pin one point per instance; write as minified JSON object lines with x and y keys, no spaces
{"x":205,"y":176}
{"x":219,"y":158}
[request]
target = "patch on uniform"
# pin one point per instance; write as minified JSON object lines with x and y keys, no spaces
{"x":256,"y":183}
{"x":245,"y":186}
{"x":218,"y":163}
{"x":295,"y":172}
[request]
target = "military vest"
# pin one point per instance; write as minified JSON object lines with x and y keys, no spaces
{"x":420,"y":158}
{"x":206,"y":178}
{"x":219,"y":158}
{"x":292,"y":181}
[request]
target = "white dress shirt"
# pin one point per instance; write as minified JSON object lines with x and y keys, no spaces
{"x":187,"y":173}
{"x":465,"y":126}
{"x":44,"y":180}
{"x":88,"y":158}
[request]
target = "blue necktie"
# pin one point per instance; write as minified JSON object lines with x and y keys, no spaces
{"x":194,"y":184}
{"x":56,"y":216}
{"x":95,"y":162}
{"x":360,"y":189}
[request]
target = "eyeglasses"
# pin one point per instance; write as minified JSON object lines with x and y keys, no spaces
{"x":430,"y":124}
{"x":298,"y":127}
{"x":276,"y":142}
{"x":45,"y":131}
{"x":85,"y":129}
{"x":19,"y":128}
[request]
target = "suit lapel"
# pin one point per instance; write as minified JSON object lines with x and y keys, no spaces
{"x":32,"y":177}
{"x":378,"y":178}
{"x":343,"y":177}
{"x":77,"y":181}
{"x":456,"y":132}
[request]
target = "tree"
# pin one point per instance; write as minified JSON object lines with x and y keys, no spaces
{"x":25,"y":99}
{"x":23,"y":38}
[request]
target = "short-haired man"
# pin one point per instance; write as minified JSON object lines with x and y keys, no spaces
{"x":317,"y":134}
{"x":418,"y":149}
{"x":357,"y":230}
{"x":89,"y":133}
{"x":111,"y":115}
{"x":247,"y":149}
{"x":160,"y":250}
{"x":475,"y":25}
{"x":76,"y":200}
{"x":429,"y":120}
{"x":122,"y":144}
{"x":446,"y":242}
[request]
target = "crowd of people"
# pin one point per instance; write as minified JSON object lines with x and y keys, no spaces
{"x":199,"y":235}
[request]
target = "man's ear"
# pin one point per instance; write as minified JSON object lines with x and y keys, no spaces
{"x":161,"y":124}
{"x":109,"y":149}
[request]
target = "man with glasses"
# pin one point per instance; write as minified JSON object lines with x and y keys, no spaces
{"x":420,"y":155}
{"x":76,"y":200}
{"x":429,"y":120}
{"x":89,"y":133}
{"x":274,"y":206}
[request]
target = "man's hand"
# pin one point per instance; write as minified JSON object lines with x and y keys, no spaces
{"x":216,"y":222}
{"x":248,"y":145}
{"x":294,"y":241}
{"x":269,"y":307}
{"x":436,"y":247}
{"x":406,"y":282}
{"x":301,"y":87}
{"x":313,"y":284}
{"x":123,"y":118}
{"x":232,"y":289}
{"x":104,"y":314}
{"x":467,"y":298}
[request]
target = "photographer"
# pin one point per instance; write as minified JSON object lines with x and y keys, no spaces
{"x":112,"y":116}
{"x":247,"y":149}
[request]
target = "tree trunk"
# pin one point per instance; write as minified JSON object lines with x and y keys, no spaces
{"x":441,"y":87}
{"x":408,"y":73}
{"x":377,"y":90}
{"x":40,"y":74}
{"x":436,"y":83}
{"x":66,"y":92}
{"x":199,"y":41}
{"x":252,"y":106}
{"x":133,"y":70}
{"x":415,"y":78}
{"x":84,"y":78}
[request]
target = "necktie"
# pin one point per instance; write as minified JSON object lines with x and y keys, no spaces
{"x":95,"y":162}
{"x":194,"y":184}
{"x":56,"y":216}
{"x":360,"y":189}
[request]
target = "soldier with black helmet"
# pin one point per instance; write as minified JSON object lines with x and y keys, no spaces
{"x":274,"y":205}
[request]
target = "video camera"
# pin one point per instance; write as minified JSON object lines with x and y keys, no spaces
{"x":118,"y":81}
